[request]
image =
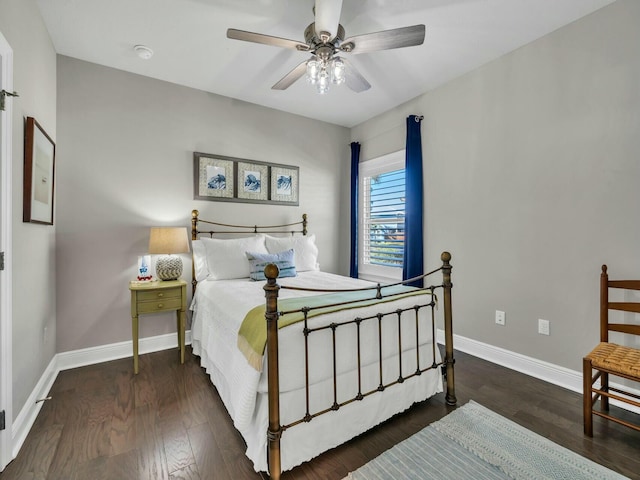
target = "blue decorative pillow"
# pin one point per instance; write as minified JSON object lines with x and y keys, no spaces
{"x":285,"y":262}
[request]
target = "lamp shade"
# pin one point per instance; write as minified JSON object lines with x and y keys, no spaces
{"x":167,"y":241}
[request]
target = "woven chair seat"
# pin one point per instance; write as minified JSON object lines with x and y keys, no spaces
{"x":616,"y":359}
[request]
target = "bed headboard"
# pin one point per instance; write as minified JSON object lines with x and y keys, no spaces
{"x":209,"y":228}
{"x":225,"y":228}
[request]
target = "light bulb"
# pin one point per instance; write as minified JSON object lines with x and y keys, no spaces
{"x":337,"y":71}
{"x":323,"y":82}
{"x":313,"y":71}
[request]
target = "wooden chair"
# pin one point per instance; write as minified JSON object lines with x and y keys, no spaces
{"x":611,"y":359}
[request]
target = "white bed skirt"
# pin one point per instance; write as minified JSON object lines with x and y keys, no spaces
{"x":328,"y":430}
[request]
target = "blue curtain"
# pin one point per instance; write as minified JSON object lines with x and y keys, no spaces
{"x":413,"y":262}
{"x":355,"y":161}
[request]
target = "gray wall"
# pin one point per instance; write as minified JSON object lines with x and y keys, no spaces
{"x":532,"y":178}
{"x":125,"y":163}
{"x":530,"y":167}
{"x":34,"y":263}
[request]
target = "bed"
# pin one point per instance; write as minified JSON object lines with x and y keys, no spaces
{"x":352,"y":353}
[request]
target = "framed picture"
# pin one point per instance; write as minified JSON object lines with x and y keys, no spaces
{"x":284,"y":184}
{"x":253,"y":181}
{"x":229,"y":179}
{"x":39,"y":174}
{"x":214,"y":177}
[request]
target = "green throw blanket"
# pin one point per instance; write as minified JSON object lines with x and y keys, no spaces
{"x":252,"y":336}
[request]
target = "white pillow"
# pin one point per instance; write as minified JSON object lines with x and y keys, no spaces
{"x":306,"y":251}
{"x":199,"y":260}
{"x":226,"y":258}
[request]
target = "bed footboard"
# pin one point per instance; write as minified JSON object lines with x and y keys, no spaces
{"x":275,"y":428}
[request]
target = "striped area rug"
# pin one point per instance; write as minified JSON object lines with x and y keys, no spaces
{"x":472,"y":442}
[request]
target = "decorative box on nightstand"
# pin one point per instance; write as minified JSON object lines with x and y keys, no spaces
{"x":156,"y":297}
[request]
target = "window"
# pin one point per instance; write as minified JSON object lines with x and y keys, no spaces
{"x":381,"y":212}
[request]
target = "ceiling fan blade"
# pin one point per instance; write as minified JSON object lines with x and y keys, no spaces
{"x":266,"y":39}
{"x":385,"y":40}
{"x":354,"y":80}
{"x":288,"y":80}
{"x":328,"y":16}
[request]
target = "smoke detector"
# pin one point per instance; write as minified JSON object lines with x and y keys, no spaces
{"x":143,"y":51}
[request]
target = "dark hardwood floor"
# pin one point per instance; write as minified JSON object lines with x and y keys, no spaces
{"x":169,"y":423}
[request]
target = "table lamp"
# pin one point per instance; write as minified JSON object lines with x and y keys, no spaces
{"x":166,"y":241}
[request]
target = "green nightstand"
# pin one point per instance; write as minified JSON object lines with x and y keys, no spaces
{"x":155,"y":297}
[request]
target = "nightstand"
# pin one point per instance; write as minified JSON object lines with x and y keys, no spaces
{"x":156,"y":297}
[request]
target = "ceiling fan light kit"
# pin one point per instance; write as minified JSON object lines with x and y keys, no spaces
{"x":325,"y":68}
{"x":322,"y":73}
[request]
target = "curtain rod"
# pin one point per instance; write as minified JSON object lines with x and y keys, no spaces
{"x":391,"y":128}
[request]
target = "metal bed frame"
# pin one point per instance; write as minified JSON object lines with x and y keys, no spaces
{"x":276,"y":429}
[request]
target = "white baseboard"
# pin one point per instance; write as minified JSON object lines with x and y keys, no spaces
{"x":548,"y":372}
{"x":80,"y":358}
{"x":24,"y":421}
{"x":115,"y":351}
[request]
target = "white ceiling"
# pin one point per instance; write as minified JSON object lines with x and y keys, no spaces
{"x":191,"y":48}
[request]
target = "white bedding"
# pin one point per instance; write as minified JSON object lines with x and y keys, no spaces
{"x":219,"y":308}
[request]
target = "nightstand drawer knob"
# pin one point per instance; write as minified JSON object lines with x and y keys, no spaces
{"x":161,"y":305}
{"x":161,"y":295}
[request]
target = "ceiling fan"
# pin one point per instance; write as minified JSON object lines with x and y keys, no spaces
{"x":325,"y":39}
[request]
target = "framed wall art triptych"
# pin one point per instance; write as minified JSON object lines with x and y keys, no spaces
{"x":229,"y":179}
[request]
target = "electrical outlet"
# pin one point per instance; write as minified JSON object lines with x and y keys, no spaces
{"x":500,"y":317}
{"x":543,"y":327}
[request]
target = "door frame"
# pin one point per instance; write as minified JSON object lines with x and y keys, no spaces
{"x":6,"y":354}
